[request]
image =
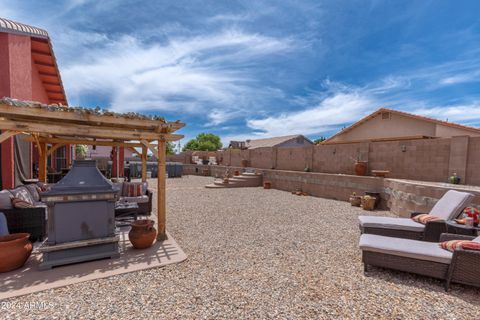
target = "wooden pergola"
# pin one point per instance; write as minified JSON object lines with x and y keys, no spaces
{"x":61,"y":125}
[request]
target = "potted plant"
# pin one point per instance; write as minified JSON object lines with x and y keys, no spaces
{"x":267,"y":185}
{"x":142,"y":233}
{"x":454,"y":179}
{"x":15,"y":249}
{"x":368,"y":203}
{"x":355,"y":200}
{"x":360,"y":166}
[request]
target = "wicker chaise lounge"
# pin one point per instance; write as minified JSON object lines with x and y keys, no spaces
{"x":424,"y":258}
{"x":449,"y":207}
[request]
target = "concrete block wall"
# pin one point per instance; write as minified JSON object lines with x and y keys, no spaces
{"x":400,"y":196}
{"x":423,"y":160}
{"x":426,"y":160}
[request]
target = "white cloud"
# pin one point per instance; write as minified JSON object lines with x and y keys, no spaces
{"x":460,"y":78}
{"x":453,"y":113}
{"x":333,"y":111}
{"x":182,"y":75}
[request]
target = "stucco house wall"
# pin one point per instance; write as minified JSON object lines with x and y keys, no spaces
{"x":392,"y":127}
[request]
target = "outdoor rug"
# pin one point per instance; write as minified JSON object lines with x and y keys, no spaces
{"x":29,"y":279}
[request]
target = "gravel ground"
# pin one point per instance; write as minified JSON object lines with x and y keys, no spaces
{"x":255,"y":253}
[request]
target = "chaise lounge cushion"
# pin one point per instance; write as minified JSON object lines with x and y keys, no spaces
{"x":451,"y":204}
{"x":405,"y":248}
{"x":390,"y":223}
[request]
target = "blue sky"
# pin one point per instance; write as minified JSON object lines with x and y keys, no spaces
{"x":265,"y":68}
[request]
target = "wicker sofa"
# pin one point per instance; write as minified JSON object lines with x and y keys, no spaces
{"x":144,"y":201}
{"x":449,"y":207}
{"x":30,"y":220}
{"x":423,"y":258}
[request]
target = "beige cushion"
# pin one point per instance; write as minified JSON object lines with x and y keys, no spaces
{"x":390,"y":223}
{"x":477,"y":239}
{"x":421,"y":250}
{"x":451,"y":204}
{"x":139,"y":199}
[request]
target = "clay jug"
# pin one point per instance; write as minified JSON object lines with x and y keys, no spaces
{"x":360,"y":168}
{"x":142,"y":234}
{"x":14,"y":251}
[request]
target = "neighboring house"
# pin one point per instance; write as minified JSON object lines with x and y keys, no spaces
{"x":387,"y":124}
{"x":296,"y":140}
{"x":28,"y":71}
{"x":102,"y":152}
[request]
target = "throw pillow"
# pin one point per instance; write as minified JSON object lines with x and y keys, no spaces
{"x":453,"y":245}
{"x":471,"y":245}
{"x":34,"y":191}
{"x":132,"y":189}
{"x":20,"y":203}
{"x":22,"y":193}
{"x":424,"y":218}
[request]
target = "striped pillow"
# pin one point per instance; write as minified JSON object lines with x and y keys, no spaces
{"x":453,"y":245}
{"x":20,"y":203}
{"x":132,"y":189}
{"x":424,"y":218}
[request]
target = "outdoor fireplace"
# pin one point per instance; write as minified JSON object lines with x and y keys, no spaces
{"x":81,"y":218}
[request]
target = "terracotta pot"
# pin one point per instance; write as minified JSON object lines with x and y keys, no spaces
{"x":142,"y":234}
{"x":14,"y":251}
{"x":244,"y":163}
{"x":360,"y":168}
{"x":368,"y":203}
{"x":355,"y":201}
{"x":236,"y":173}
{"x":267,"y":185}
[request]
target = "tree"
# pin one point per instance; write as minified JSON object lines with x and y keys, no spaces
{"x":321,"y":139}
{"x":170,"y":148}
{"x":204,"y":142}
{"x":81,"y":151}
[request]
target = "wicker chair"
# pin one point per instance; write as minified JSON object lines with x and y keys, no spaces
{"x":450,"y":206}
{"x":30,"y":220}
{"x":423,"y":258}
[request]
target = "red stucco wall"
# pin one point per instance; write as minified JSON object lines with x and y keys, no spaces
{"x":18,"y":79}
{"x":38,"y":91}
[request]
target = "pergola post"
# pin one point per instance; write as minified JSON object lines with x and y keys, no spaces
{"x":144,"y":163}
{"x":42,"y":161}
{"x":161,"y":201}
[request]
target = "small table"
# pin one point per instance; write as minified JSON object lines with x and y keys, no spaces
{"x":453,"y":227}
{"x":125,"y":212}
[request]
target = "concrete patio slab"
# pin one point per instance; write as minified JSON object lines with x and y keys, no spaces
{"x":29,"y":279}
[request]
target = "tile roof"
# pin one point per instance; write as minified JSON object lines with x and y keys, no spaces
{"x":20,"y":28}
{"x":270,"y":142}
{"x":43,"y":58}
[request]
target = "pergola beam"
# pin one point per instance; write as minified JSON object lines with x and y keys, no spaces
{"x":7,"y":134}
{"x":151,"y":147}
{"x":84,"y":131}
{"x":54,"y":148}
{"x":39,"y":114}
{"x":87,"y":142}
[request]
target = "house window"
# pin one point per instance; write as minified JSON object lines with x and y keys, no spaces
{"x":385,"y":115}
{"x":61,"y":158}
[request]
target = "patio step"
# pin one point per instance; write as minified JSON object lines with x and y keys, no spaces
{"x":241,"y":181}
